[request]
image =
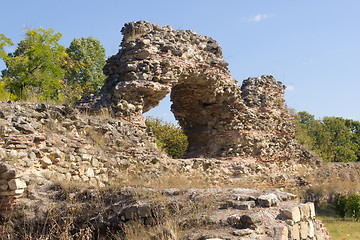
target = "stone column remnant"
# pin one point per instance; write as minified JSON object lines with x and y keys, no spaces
{"x":219,"y":117}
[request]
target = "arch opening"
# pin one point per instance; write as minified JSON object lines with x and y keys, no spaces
{"x":219,"y":117}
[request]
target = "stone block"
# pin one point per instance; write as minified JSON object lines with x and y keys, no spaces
{"x":15,"y":184}
{"x":45,"y":162}
{"x":304,"y":211}
{"x":267,"y":200}
{"x":296,"y":231}
{"x":243,"y":232}
{"x":57,"y":156}
{"x":86,"y":157}
{"x":136,"y":212}
{"x":312,"y":209}
{"x":281,"y":233}
{"x":311,"y":229}
{"x":89,"y":172}
{"x":304,"y":230}
{"x":244,"y":221}
{"x":244,"y":205}
{"x":292,"y":213}
{"x":95,"y":163}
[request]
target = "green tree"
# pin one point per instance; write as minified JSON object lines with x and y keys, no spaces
{"x":354,"y":127}
{"x":4,"y":94}
{"x":85,"y":76}
{"x":340,"y":205}
{"x":342,"y":148}
{"x":35,"y":69}
{"x":4,"y":41}
{"x":169,"y":137}
{"x":353,"y":206}
{"x":332,"y":138}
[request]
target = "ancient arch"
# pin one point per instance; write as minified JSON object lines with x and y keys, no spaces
{"x":219,"y":117}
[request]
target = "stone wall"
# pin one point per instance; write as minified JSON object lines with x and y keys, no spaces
{"x":238,"y":213}
{"x":11,"y":187}
{"x":42,"y":146}
{"x":219,"y":117}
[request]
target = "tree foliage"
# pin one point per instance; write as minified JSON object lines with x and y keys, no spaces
{"x":169,"y":137}
{"x":333,"y":138}
{"x":42,"y":69}
{"x":87,"y":56}
{"x":348,"y":204}
{"x":4,"y":41}
{"x":35,"y":68}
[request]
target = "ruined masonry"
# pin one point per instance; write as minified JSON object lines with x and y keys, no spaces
{"x":246,"y":129}
{"x":219,"y":117}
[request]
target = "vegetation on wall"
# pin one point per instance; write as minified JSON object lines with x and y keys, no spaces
{"x":334,"y":139}
{"x":169,"y":137}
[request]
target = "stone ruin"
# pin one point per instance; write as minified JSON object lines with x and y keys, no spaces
{"x":43,"y":144}
{"x":219,"y":117}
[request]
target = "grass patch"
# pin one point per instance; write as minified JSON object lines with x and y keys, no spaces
{"x":339,"y":229}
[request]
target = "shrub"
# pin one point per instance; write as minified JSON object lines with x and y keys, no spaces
{"x":340,"y":204}
{"x":353,"y":206}
{"x":169,"y":137}
{"x":348,"y":204}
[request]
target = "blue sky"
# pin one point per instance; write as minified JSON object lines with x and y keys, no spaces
{"x":313,"y":47}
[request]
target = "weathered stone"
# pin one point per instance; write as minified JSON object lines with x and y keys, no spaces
{"x":10,"y":174}
{"x":4,"y":167}
{"x":281,"y":233}
{"x":244,"y":221}
{"x":243,"y":232}
{"x":292,"y":213}
{"x":304,"y":230}
{"x":56,"y":156}
{"x":267,"y":200}
{"x":103,"y":177}
{"x":4,"y":187}
{"x":137,"y":212}
{"x":89,"y":172}
{"x":45,"y":162}
{"x":86,"y":157}
{"x":305,"y":211}
{"x":241,"y":205}
{"x":296,"y":231}
{"x":312,"y":209}
{"x":15,"y":184}
{"x":311,"y":229}
{"x":24,"y":127}
{"x":219,"y":117}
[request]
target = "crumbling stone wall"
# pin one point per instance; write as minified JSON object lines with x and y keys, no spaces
{"x":11,"y":188}
{"x":219,"y":117}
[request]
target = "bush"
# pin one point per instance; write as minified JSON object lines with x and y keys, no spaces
{"x":340,"y":203}
{"x":169,"y":137}
{"x":353,"y":205}
{"x":348,"y":204}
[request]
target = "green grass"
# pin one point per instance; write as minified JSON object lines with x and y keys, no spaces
{"x":339,"y":229}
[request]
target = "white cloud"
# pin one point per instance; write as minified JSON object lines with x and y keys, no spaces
{"x":290,"y":87}
{"x":259,"y":17}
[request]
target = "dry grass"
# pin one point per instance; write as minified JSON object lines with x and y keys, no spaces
{"x":71,"y":216}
